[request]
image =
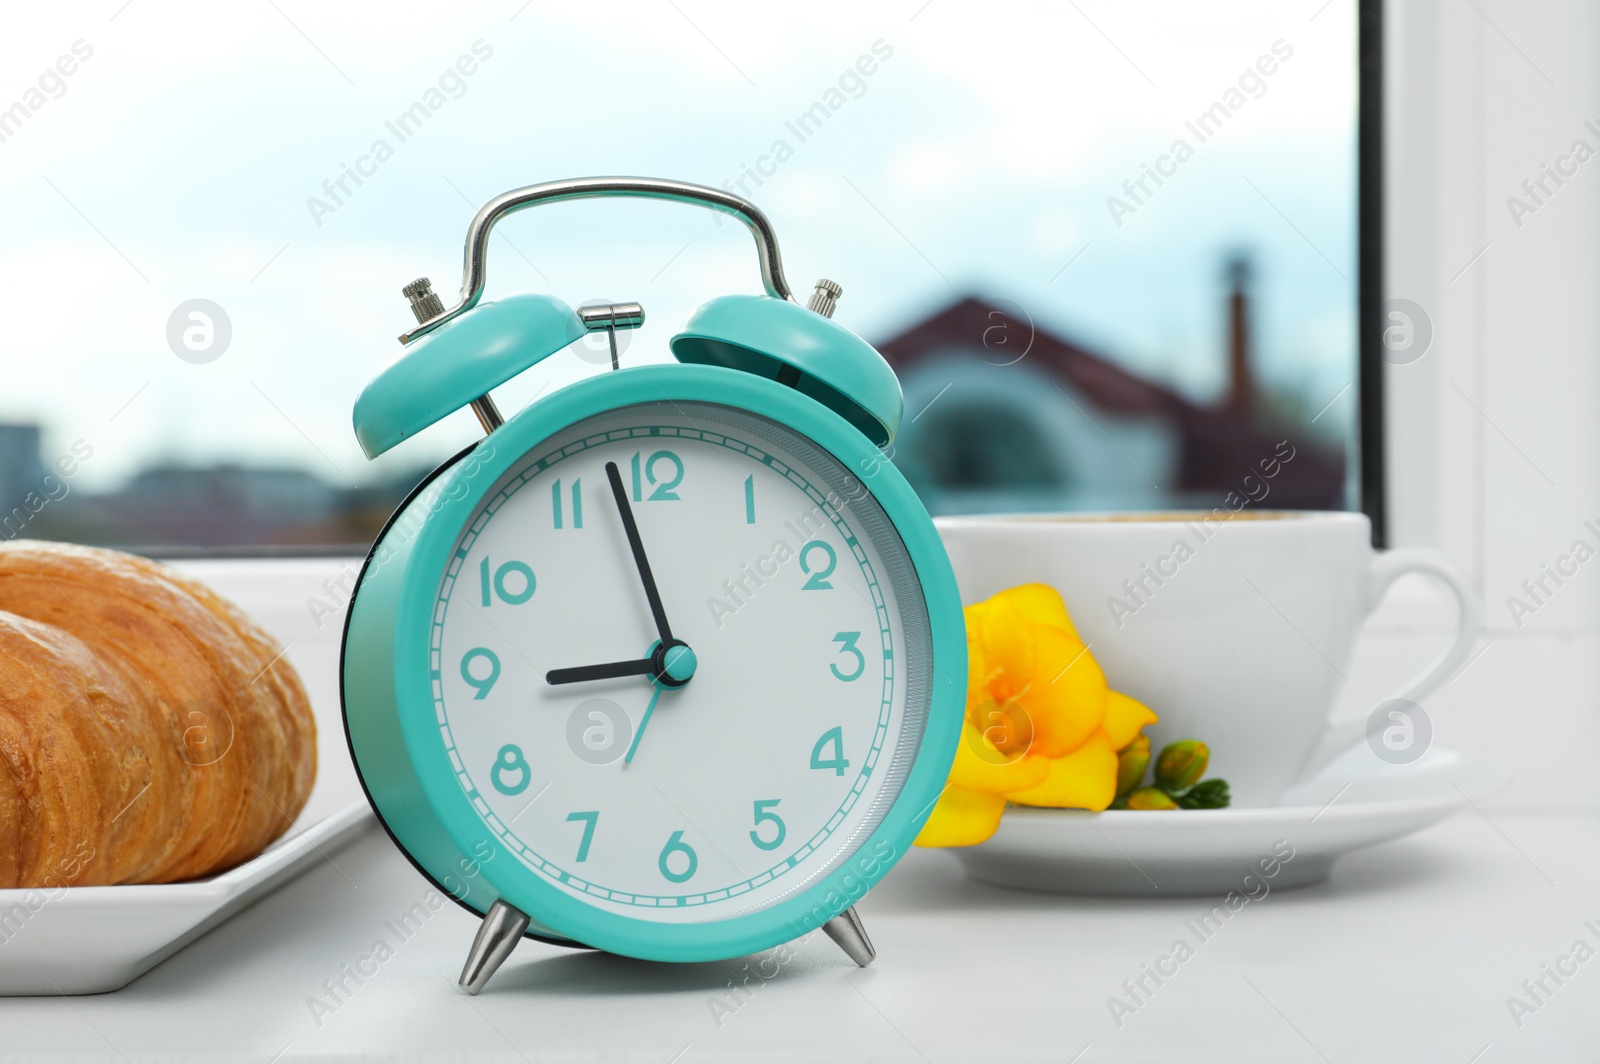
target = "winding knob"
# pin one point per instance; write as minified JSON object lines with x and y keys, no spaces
{"x":425,"y":302}
{"x":825,"y":298}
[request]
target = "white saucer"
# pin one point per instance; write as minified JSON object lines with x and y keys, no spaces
{"x":1356,"y":801}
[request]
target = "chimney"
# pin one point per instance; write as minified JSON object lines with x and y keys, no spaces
{"x":1241,"y":385}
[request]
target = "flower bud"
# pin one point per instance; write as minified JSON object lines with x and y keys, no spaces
{"x":1181,"y":765}
{"x":1150,"y":798}
{"x":1208,"y":794}
{"x":1131,"y":763}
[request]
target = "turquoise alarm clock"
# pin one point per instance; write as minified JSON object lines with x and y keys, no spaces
{"x":670,"y":663}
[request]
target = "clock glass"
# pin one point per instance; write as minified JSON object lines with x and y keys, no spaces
{"x":698,"y":716}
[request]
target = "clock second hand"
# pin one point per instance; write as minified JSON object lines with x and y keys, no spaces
{"x":643,"y":723}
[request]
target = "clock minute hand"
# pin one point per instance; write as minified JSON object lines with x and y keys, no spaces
{"x":609,"y":670}
{"x":625,"y":511}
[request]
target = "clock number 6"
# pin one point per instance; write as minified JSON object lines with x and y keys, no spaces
{"x":483,"y":685}
{"x":764,"y":813}
{"x":847,"y":645}
{"x":676,"y":844}
{"x":819,"y":579}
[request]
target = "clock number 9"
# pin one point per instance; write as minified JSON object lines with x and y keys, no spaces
{"x":509,"y":597}
{"x":819,"y":579}
{"x":482,"y":686}
{"x":676,"y":844}
{"x":663,"y":489}
{"x":509,"y":761}
{"x":764,"y":813}
{"x":847,"y":645}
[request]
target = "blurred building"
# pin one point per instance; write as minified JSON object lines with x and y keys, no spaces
{"x":214,"y":506}
{"x":1002,"y":415}
{"x":173,"y":508}
{"x":21,"y":466}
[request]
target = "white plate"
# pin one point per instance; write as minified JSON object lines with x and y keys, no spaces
{"x":1356,"y":801}
{"x":88,"y":940}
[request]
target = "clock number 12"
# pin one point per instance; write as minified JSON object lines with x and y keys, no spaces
{"x":646,"y":470}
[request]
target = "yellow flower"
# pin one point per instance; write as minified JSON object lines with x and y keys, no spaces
{"x":981,"y":765}
{"x":1083,"y":779}
{"x":1125,"y":718}
{"x":962,"y":818}
{"x":1042,"y":728}
{"x":1036,"y":673}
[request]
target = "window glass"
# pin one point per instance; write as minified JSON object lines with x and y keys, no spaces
{"x":1109,"y":248}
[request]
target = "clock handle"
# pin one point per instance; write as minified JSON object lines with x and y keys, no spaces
{"x":474,"y":273}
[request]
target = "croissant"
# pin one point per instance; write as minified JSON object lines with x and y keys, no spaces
{"x":149,"y":731}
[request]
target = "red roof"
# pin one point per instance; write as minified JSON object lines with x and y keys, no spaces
{"x":1219,"y":447}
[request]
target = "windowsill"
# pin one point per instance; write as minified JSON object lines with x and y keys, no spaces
{"x":288,"y":595}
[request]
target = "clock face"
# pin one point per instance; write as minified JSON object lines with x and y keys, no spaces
{"x":750,"y":753}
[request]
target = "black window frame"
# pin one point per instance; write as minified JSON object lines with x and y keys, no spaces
{"x":1370,"y":254}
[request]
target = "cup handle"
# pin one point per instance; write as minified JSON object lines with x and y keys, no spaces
{"x":1384,"y":569}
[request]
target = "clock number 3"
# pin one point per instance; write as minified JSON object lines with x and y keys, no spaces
{"x":847,"y":645}
{"x":675,"y":844}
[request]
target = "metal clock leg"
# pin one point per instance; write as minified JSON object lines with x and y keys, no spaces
{"x":850,"y":935}
{"x":497,"y":937}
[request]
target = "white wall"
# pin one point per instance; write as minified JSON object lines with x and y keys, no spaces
{"x":1493,"y":439}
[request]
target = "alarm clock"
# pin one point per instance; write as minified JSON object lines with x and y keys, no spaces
{"x":671,"y":663}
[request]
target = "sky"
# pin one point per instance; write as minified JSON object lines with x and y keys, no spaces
{"x":186,"y":154}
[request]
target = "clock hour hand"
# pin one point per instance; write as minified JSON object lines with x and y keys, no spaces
{"x":625,"y":511}
{"x":582,"y":673}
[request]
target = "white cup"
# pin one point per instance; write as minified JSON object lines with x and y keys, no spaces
{"x":1235,"y":628}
